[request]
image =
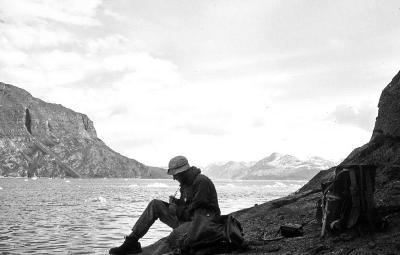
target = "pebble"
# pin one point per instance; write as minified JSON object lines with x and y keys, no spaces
{"x":317,"y":249}
{"x":371,"y":244}
{"x":336,"y":239}
{"x":346,"y":237}
{"x":343,"y":237}
{"x":272,"y":248}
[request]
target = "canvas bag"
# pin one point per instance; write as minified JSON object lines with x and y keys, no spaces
{"x":348,"y":199}
{"x":209,"y":235}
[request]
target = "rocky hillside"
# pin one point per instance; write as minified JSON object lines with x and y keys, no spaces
{"x":275,"y":166}
{"x":43,"y":139}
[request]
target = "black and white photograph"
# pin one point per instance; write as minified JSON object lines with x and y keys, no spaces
{"x":199,"y":127}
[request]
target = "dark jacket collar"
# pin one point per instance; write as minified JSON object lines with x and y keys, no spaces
{"x":191,"y":175}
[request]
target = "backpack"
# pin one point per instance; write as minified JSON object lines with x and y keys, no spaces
{"x":348,"y":200}
{"x":213,"y":236}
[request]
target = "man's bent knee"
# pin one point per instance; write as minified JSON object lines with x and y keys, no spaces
{"x":158,"y":206}
{"x":157,"y":203}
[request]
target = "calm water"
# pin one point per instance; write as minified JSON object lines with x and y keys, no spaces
{"x":88,"y":216}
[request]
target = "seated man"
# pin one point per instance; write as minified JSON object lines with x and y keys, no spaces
{"x":198,"y":196}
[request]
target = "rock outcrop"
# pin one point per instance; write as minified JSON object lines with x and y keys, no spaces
{"x":388,"y":120}
{"x":44,"y":139}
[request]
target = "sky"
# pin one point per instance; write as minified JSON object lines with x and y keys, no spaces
{"x":212,"y":80}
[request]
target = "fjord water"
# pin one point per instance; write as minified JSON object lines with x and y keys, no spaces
{"x":88,"y":216}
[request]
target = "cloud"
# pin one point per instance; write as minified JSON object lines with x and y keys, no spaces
{"x":73,"y":12}
{"x":46,"y":69}
{"x":132,"y":79}
{"x":12,"y":57}
{"x":57,"y":59}
{"x":258,"y":122}
{"x":119,"y":110}
{"x":114,"y":15}
{"x":138,"y":61}
{"x":36,"y":78}
{"x":44,"y":23}
{"x":362,"y":116}
{"x":142,"y":74}
{"x":203,"y":129}
{"x":131,"y":143}
{"x":113,"y":43}
{"x":24,"y":36}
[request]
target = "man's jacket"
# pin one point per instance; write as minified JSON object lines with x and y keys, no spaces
{"x":198,"y":196}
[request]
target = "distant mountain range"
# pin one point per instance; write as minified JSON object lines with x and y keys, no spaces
{"x":275,"y":166}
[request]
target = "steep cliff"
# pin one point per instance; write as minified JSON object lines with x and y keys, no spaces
{"x":44,"y":139}
{"x":388,"y":120}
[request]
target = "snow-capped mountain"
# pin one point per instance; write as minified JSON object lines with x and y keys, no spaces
{"x":228,"y":170}
{"x":275,"y":166}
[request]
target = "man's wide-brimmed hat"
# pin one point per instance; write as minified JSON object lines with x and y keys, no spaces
{"x":178,"y":165}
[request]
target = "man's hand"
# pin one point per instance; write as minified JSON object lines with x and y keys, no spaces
{"x":172,"y":208}
{"x":173,"y":200}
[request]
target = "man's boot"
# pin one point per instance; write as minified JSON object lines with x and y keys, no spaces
{"x":130,"y":246}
